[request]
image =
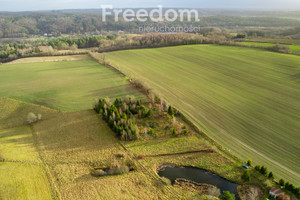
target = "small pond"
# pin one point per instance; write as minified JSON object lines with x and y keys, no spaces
{"x":198,"y":175}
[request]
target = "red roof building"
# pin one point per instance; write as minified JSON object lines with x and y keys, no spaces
{"x":276,"y":192}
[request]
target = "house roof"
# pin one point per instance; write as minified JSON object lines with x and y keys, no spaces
{"x":275,"y":190}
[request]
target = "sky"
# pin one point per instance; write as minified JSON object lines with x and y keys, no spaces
{"x":33,"y":5}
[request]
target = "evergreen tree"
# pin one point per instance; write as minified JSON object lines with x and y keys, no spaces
{"x":281,"y":182}
{"x":271,"y":175}
{"x":263,"y":170}
{"x":257,"y":167}
{"x":171,"y":111}
{"x":249,"y":162}
{"x":246,"y":176}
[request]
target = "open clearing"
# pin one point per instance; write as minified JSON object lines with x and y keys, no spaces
{"x":248,"y":100}
{"x":63,"y":85}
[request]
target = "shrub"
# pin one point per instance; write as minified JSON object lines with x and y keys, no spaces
{"x":280,"y":48}
{"x":246,"y":176}
{"x":185,"y":132}
{"x":171,"y":111}
{"x":227,"y":196}
{"x":214,"y":191}
{"x":118,"y":170}
{"x":241,"y":35}
{"x":98,"y":172}
{"x":166,"y":181}
{"x":157,"y":99}
{"x":39,"y":117}
{"x":174,"y":132}
{"x":149,"y":113}
{"x":123,"y":169}
{"x":249,"y":162}
{"x":31,"y":118}
{"x":151,"y":132}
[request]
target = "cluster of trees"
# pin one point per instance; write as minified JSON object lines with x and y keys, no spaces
{"x":290,"y":187}
{"x":24,"y":24}
{"x":19,"y":49}
{"x":120,"y":116}
{"x":264,"y":171}
{"x":74,"y":43}
{"x":293,"y":33}
{"x":10,"y":51}
{"x":160,"y":40}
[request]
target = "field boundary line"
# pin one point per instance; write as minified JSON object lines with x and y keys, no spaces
{"x":54,"y":190}
{"x":181,"y":153}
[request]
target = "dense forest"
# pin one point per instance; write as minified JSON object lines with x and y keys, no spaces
{"x":35,"y":23}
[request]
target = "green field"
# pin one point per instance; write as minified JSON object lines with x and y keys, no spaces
{"x":293,"y":48}
{"x":62,"y":85}
{"x":246,"y":99}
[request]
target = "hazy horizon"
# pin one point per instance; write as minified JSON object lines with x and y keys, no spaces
{"x":43,"y":5}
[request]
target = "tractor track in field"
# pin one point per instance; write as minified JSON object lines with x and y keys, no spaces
{"x":181,"y":153}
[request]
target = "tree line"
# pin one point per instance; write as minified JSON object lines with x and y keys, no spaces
{"x":264,"y":171}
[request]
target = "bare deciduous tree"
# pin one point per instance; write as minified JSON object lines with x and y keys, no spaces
{"x":31,"y":118}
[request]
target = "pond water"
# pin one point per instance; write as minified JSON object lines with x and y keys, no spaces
{"x":198,"y":175}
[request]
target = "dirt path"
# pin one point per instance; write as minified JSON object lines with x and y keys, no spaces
{"x":181,"y":153}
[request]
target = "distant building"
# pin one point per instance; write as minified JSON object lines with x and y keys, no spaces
{"x":276,"y":192}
